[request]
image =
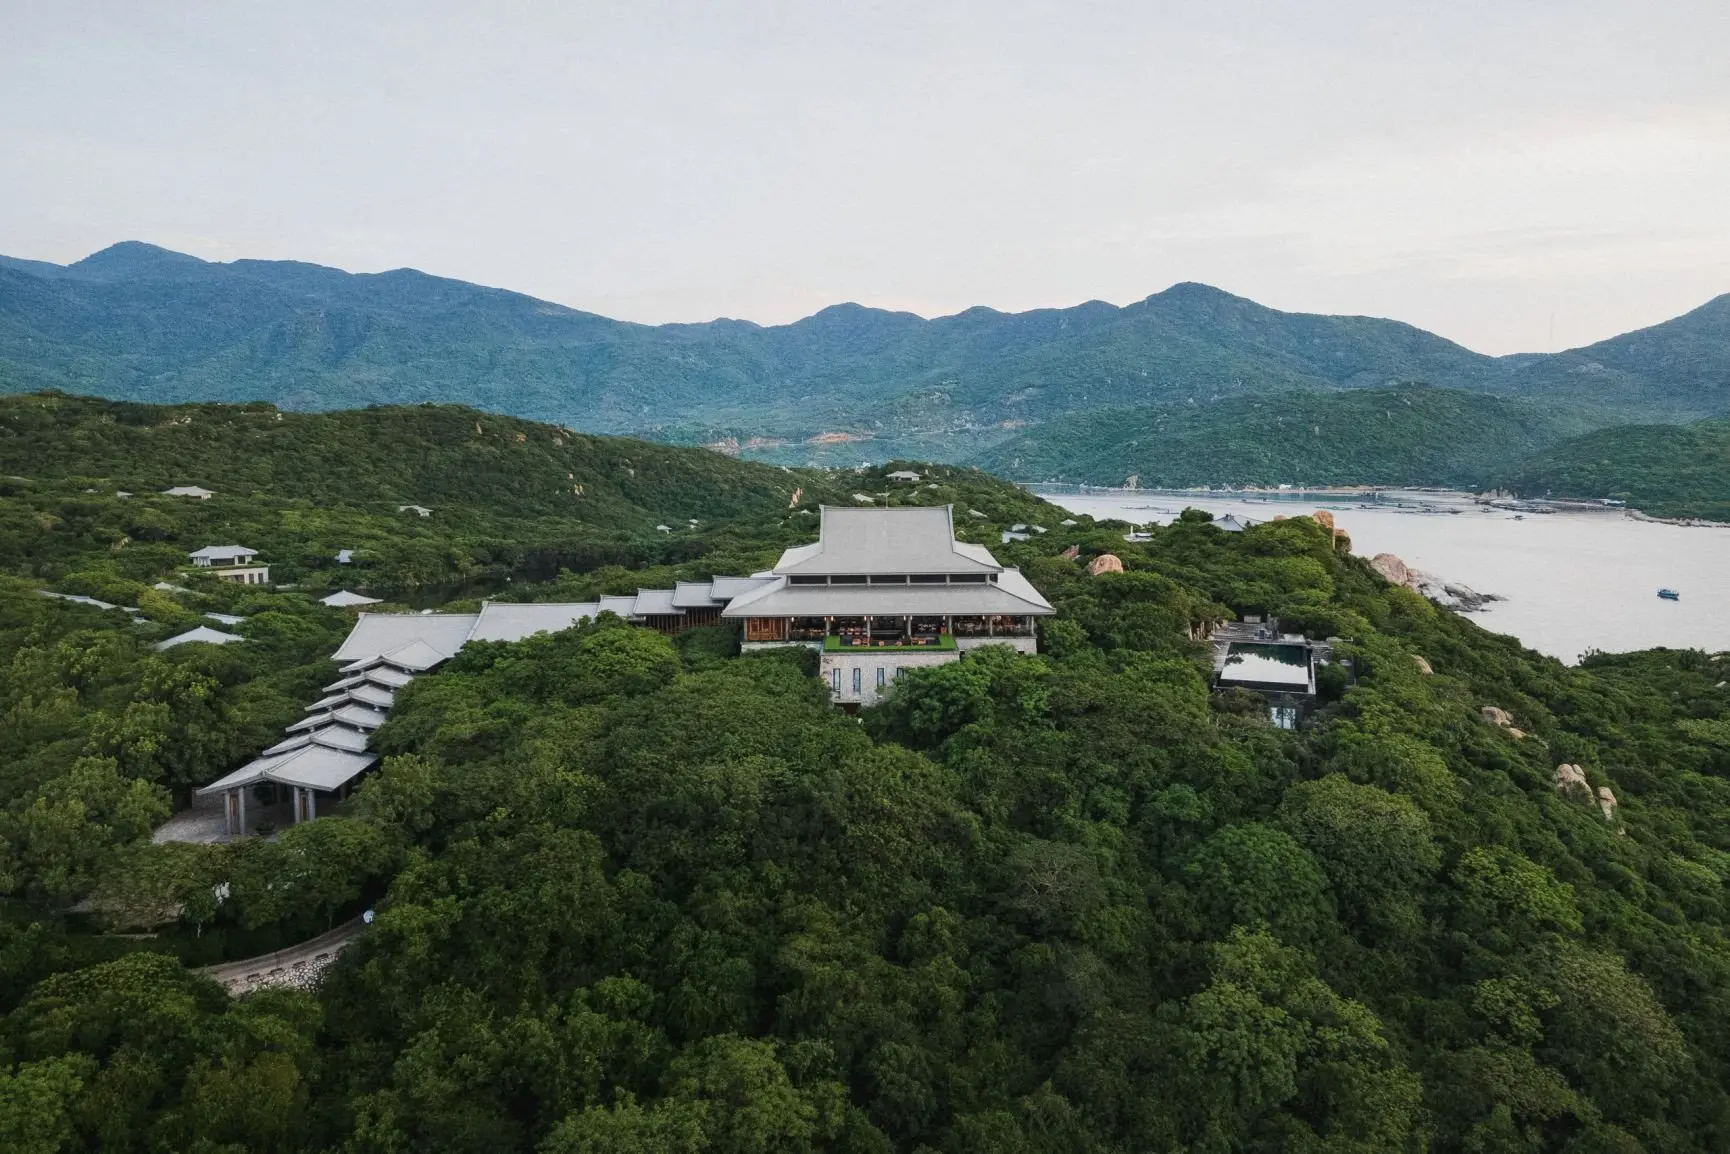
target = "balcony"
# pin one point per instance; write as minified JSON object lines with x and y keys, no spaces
{"x":938,"y":643}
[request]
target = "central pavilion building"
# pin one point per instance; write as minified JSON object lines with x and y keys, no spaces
{"x":884,"y":590}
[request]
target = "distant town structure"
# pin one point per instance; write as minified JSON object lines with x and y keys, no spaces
{"x":881,"y":591}
{"x":906,"y":475}
{"x":231,"y":563}
{"x":189,"y":491}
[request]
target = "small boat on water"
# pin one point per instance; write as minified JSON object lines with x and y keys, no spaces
{"x":1669,"y":595}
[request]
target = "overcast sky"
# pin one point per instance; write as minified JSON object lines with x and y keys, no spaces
{"x":1513,"y":174}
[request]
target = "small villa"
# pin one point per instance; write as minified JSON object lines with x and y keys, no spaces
{"x":195,"y":492}
{"x":231,"y":563}
{"x":1254,"y":654}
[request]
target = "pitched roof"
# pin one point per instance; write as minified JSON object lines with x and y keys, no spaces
{"x":201,"y":633}
{"x":332,"y":736}
{"x":696,"y":595}
{"x":727,"y":588}
{"x":377,"y":675}
{"x":342,"y":599}
{"x":623,"y":606}
{"x":503,"y":621}
{"x":655,"y":603}
{"x":908,"y":539}
{"x":187,"y":491}
{"x":218,"y":552}
{"x":78,"y":599}
{"x":376,"y":634}
{"x":312,"y":766}
{"x":225,"y":618}
{"x":1011,"y":594}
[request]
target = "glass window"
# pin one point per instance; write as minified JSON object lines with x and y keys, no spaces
{"x":882,"y":677}
{"x":835,"y":681}
{"x":858,"y":679}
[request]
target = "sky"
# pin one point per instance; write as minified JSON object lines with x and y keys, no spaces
{"x":1517,"y":175}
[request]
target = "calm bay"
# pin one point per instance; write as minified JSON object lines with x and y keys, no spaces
{"x":1572,"y":580}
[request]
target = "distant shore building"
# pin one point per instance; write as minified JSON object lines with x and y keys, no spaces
{"x":192,"y":491}
{"x":231,"y":563}
{"x":905,"y":475}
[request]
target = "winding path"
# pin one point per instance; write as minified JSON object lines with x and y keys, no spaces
{"x":299,"y":965}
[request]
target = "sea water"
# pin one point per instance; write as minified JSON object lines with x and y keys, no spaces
{"x":1573,"y":580}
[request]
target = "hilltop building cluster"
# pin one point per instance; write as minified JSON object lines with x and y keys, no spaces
{"x":881,"y":591}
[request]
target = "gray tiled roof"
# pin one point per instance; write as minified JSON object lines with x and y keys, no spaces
{"x":312,"y":766}
{"x":655,"y":603}
{"x":909,"y":539}
{"x":505,"y":621}
{"x":696,"y":595}
{"x":1013,"y":596}
{"x":375,"y":634}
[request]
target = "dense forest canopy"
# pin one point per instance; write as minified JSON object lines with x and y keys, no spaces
{"x":1407,"y":435}
{"x":640,"y":893}
{"x":140,"y":323}
{"x":1664,"y":470}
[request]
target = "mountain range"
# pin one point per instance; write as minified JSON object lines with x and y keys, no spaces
{"x":138,"y":322}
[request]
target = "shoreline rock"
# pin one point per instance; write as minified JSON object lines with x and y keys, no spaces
{"x":1449,"y":595}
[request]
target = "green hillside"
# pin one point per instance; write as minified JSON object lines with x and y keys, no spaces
{"x":140,"y":323}
{"x":640,"y":893}
{"x":508,"y":496}
{"x":1664,"y":470}
{"x":1408,"y":435}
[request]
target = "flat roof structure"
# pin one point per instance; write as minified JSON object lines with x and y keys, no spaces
{"x":1285,"y":666}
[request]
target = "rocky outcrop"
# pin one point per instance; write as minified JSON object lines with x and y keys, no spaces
{"x":1323,"y":518}
{"x":1499,"y":717}
{"x":1104,"y":563}
{"x":1449,"y":595}
{"x":1571,"y":782}
{"x":1422,"y":664}
{"x":1607,"y":803}
{"x":1392,"y":569}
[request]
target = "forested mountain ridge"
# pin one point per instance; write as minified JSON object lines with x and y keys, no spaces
{"x":1664,"y":470}
{"x":1406,"y":435}
{"x":507,"y":496}
{"x":141,"y":323}
{"x":639,"y":893}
